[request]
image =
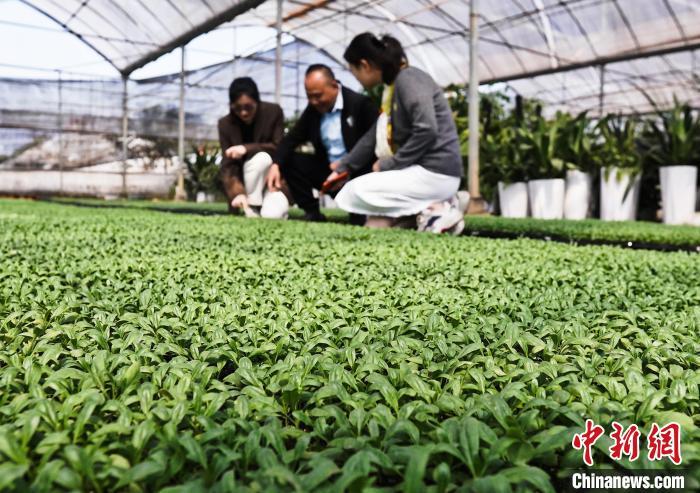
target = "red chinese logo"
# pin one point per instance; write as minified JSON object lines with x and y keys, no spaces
{"x":587,"y":439}
{"x":626,"y":442}
{"x":663,"y":442}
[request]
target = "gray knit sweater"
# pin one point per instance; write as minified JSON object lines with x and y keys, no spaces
{"x":423,"y":129}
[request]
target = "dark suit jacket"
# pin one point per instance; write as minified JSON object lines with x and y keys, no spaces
{"x":268,"y":129}
{"x":357,"y":116}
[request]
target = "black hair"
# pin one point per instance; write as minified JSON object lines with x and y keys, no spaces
{"x":386,"y":53}
{"x":241,"y":86}
{"x":320,"y":67}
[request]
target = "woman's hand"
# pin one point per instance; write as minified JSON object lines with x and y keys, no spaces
{"x":375,"y":166}
{"x":240,"y":201}
{"x":235,"y":152}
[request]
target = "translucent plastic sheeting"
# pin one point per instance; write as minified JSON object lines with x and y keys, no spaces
{"x":518,"y":38}
{"x":634,"y":86}
{"x":95,"y":106}
{"x":130,"y":33}
{"x":524,"y":42}
{"x":209,"y":86}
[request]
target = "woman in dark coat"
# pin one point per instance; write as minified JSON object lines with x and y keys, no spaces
{"x":249,"y":136}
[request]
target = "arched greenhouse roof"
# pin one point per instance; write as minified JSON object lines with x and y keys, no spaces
{"x":131,"y":33}
{"x":549,"y":49}
{"x":517,"y":37}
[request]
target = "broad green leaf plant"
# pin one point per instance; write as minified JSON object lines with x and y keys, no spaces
{"x":673,"y":137}
{"x":149,"y":351}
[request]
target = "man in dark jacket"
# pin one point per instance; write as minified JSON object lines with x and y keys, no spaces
{"x":334,"y":120}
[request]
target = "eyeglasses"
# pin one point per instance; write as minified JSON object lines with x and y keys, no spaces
{"x":240,"y":108}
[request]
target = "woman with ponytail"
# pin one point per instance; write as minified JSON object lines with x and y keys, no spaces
{"x":419,"y":165}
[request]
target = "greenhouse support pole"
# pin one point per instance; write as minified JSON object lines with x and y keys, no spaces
{"x":601,"y":91}
{"x":278,"y":55}
{"x":233,"y":57}
{"x":296,"y":85}
{"x":60,"y":132}
{"x":125,"y":130}
{"x":476,"y":203}
{"x":180,"y":193}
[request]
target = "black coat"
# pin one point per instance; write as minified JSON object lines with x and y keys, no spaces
{"x":357,"y":116}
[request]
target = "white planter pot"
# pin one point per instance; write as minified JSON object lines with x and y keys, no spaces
{"x":614,"y":206}
{"x":547,"y":198}
{"x":513,"y":199}
{"x":577,"y":201}
{"x":678,"y":191}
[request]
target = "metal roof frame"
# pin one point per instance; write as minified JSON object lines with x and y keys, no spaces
{"x":521,"y":39}
{"x":180,"y":40}
{"x":203,"y":28}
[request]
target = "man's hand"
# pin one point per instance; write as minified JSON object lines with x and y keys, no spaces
{"x":274,"y":178}
{"x":375,"y":166}
{"x":235,"y":152}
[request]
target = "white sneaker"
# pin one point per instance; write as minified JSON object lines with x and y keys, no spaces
{"x":443,"y":217}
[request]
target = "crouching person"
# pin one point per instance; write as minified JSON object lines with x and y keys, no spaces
{"x":249,"y":136}
{"x":415,"y":140}
{"x":334,"y":120}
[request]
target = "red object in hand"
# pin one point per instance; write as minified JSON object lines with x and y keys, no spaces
{"x":335,"y":183}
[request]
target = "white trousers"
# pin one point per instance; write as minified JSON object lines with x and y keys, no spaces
{"x":396,"y":193}
{"x":274,"y":204}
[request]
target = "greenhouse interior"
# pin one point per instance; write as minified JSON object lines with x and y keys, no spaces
{"x":181,"y":313}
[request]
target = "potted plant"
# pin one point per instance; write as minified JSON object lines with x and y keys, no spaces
{"x":673,"y":142}
{"x":504,"y":165}
{"x":203,"y":173}
{"x":620,"y":166}
{"x":576,"y":149}
{"x":493,"y":119}
{"x":537,"y":143}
